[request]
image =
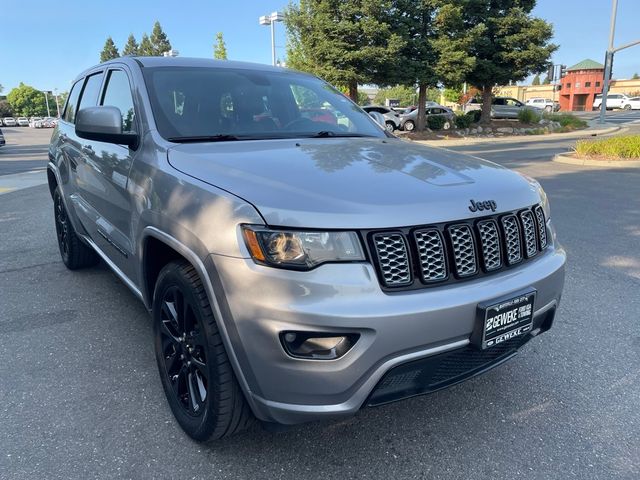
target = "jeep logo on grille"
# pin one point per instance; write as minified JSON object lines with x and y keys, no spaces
{"x":480,"y":206}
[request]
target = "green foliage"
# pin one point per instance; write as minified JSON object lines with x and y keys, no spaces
{"x":536,"y":80}
{"x":529,"y":115}
{"x":5,"y":109}
{"x":465,"y":120}
{"x":109,"y":51}
{"x":566,"y":120}
{"x":347,"y":42}
{"x":131,"y":48}
{"x":220,"y":48}
{"x":26,"y":101}
{"x":146,"y":48}
{"x":624,"y":147}
{"x":453,"y":95}
{"x":546,"y":80}
{"x":406,"y":95}
{"x":635,"y":77}
{"x":159,"y":41}
{"x":436,"y":122}
{"x":1,"y":88}
{"x":363,"y":99}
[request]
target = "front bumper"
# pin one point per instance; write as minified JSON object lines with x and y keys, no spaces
{"x":394,"y":329}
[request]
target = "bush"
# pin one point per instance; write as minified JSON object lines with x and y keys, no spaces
{"x":475,"y":115}
{"x":615,"y":147}
{"x":436,"y":122}
{"x":465,"y":120}
{"x":528,"y":115}
{"x":567,"y":121}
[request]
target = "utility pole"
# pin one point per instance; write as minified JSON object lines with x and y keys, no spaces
{"x":46,"y":99}
{"x":55,"y":92}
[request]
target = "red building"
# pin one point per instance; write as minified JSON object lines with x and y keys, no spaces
{"x":580,"y":85}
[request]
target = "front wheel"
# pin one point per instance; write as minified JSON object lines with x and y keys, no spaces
{"x":409,"y":126}
{"x":389,"y":126}
{"x":548,"y":109}
{"x":627,"y":107}
{"x":196,"y":375}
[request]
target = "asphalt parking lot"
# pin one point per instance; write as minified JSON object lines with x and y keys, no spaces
{"x":80,"y":395}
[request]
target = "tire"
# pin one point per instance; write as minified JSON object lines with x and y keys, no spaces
{"x":196,"y":375}
{"x":627,"y":107}
{"x":409,"y":126}
{"x":389,"y":126}
{"x":74,"y":252}
{"x":548,"y":109}
{"x":446,"y":125}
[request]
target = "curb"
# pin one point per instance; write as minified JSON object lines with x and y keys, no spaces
{"x":588,"y":162}
{"x":586,"y":133}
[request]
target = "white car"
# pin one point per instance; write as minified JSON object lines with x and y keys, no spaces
{"x":9,"y":121}
{"x":22,"y":121}
{"x":543,"y":104}
{"x":632,"y":103}
{"x":391,"y":117}
{"x":33,"y":121}
{"x":614,"y":100}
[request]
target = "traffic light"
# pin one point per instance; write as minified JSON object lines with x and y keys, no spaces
{"x":563,"y":71}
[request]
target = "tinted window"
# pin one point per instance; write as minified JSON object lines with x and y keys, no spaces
{"x":498,"y":101}
{"x":69,"y":113}
{"x":118,"y":94}
{"x":90,"y":91}
{"x":206,"y":101}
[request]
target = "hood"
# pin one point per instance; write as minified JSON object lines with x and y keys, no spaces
{"x":348,"y":183}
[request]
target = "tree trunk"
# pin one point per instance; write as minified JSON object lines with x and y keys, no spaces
{"x":487,"y":97}
{"x":353,"y":91}
{"x":422,"y":100}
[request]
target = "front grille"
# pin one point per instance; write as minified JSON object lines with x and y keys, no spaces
{"x":415,"y":257}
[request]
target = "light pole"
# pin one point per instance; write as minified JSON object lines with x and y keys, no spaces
{"x":46,"y":99}
{"x":608,"y":60}
{"x":271,"y":20}
{"x":55,"y":93}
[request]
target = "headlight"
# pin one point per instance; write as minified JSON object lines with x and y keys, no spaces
{"x":544,"y":201}
{"x":301,"y":250}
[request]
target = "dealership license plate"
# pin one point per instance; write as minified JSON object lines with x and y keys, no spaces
{"x":506,"y":319}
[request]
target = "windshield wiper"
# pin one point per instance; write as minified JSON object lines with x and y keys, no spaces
{"x":204,"y":138}
{"x":330,"y":133}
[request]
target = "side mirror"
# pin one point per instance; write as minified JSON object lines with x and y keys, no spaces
{"x":104,"y":124}
{"x":379,"y":118}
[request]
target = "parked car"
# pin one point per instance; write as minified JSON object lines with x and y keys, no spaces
{"x":9,"y":122}
{"x":614,"y":100}
{"x":33,"y":121}
{"x":632,"y":103}
{"x":391,"y":117}
{"x":501,"y":107}
{"x":295,"y":270}
{"x":2,"y":140}
{"x":22,"y":121}
{"x":409,"y":121}
{"x":545,"y":104}
{"x":47,"y":122}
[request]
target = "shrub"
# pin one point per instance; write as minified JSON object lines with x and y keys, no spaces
{"x":615,"y":147}
{"x":465,"y":120}
{"x":436,"y":122}
{"x":528,"y":115}
{"x":475,"y":115}
{"x":567,"y":121}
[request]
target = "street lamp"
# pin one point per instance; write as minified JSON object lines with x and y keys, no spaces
{"x":271,"y":20}
{"x":55,"y":93}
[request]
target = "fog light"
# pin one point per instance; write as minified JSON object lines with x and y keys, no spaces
{"x":317,"y":346}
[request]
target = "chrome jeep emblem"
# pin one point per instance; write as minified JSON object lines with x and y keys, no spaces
{"x":485,"y":205}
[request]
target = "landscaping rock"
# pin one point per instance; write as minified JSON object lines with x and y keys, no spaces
{"x":505,"y":130}
{"x":479,"y":129}
{"x":474,"y":131}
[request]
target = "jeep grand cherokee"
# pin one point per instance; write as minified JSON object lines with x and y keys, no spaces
{"x":296,"y":267}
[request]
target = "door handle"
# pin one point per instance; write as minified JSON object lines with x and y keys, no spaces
{"x":88,"y":149}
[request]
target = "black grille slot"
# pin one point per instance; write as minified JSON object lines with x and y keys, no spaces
{"x":529,"y":230}
{"x":415,"y":257}
{"x":433,"y":266}
{"x":542,"y":226}
{"x":393,"y":259}
{"x":464,"y":252}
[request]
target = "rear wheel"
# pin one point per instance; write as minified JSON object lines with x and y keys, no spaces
{"x":75,"y":254}
{"x":196,"y":375}
{"x":390,"y":127}
{"x":627,"y":107}
{"x":548,"y":109}
{"x":409,"y":126}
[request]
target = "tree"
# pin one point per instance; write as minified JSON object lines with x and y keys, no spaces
{"x":145,"y":48}
{"x":1,"y":88}
{"x":510,"y":44}
{"x":536,"y":80}
{"x":159,"y":41}
{"x":453,"y":95}
{"x":5,"y":109}
{"x":26,"y":101}
{"x":546,"y":80}
{"x":109,"y":51}
{"x":404,"y":94}
{"x":347,"y":42}
{"x":635,"y":77}
{"x":220,"y":48}
{"x":131,"y":48}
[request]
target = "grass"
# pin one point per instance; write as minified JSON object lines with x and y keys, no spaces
{"x":567,"y":121}
{"x":528,"y":116}
{"x":623,"y":147}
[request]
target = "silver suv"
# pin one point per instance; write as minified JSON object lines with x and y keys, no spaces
{"x":297,"y":267}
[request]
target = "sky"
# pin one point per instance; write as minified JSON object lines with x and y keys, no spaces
{"x":46,"y":44}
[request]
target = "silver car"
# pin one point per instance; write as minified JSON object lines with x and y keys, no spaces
{"x":501,"y":107}
{"x":296,"y":268}
{"x":391,"y":117}
{"x":408,"y":121}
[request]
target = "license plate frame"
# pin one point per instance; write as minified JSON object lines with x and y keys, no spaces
{"x":504,"y":318}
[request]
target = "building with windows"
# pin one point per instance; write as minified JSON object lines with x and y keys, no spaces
{"x":580,"y":85}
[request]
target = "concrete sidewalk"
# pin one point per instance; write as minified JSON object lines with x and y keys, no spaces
{"x":18,"y":181}
{"x":594,"y":130}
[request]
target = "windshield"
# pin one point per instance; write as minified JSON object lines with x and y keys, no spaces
{"x":221,"y":104}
